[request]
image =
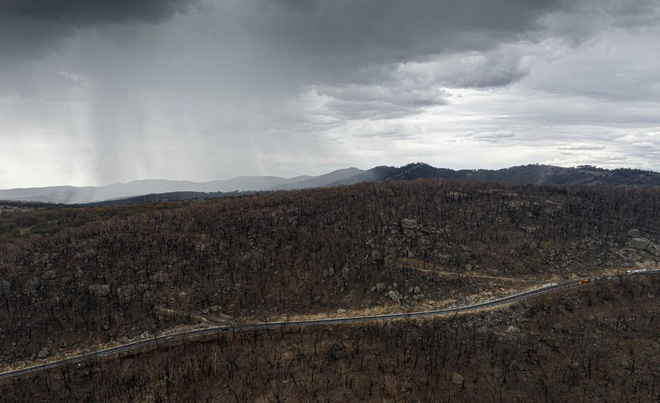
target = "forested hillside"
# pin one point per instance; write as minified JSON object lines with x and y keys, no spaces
{"x":71,"y":278}
{"x":598,"y":343}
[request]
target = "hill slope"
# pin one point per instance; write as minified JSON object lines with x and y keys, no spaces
{"x":528,"y":174}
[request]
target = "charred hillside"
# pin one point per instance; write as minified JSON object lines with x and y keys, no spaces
{"x":75,"y":277}
{"x":597,"y":343}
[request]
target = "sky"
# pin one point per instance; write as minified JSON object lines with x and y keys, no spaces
{"x":95,"y":92}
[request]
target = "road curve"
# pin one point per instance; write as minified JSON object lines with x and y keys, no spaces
{"x":189,"y":334}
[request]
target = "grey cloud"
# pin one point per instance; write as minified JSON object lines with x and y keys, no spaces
{"x":581,"y":19}
{"x":373,"y":31}
{"x":489,"y":136}
{"x":581,"y":148}
{"x":495,"y":68}
{"x":398,"y":132}
{"x":643,"y":144}
{"x":86,"y":12}
{"x":378,"y":102}
{"x":32,"y":28}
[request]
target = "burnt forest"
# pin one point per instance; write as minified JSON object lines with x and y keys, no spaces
{"x":257,"y":272}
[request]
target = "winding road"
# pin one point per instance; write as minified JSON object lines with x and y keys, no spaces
{"x":195,"y":333}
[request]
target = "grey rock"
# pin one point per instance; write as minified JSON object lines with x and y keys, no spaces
{"x":341,"y":310}
{"x":629,"y":254}
{"x":409,"y":224}
{"x":49,"y":275}
{"x":457,"y":378}
{"x":43,"y":353}
{"x":645,"y":245}
{"x":639,"y":243}
{"x":380,"y":287}
{"x":633,"y":233}
{"x":394,"y":296}
{"x":653,"y":248}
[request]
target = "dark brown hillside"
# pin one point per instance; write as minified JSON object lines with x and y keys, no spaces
{"x":77,"y":278}
{"x":596,"y":343}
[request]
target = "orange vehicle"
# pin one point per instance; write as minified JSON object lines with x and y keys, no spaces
{"x":583,"y":281}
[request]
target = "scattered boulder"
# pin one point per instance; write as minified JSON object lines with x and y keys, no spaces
{"x":341,"y":310}
{"x":409,"y":227}
{"x":49,"y":275}
{"x":43,"y":353}
{"x":633,"y":233}
{"x":380,"y":287}
{"x":409,"y":224}
{"x":639,"y":243}
{"x":457,"y":378}
{"x":394,"y":296}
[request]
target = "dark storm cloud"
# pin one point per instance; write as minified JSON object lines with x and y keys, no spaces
{"x":394,"y":31}
{"x":29,"y":28}
{"x":84,"y":12}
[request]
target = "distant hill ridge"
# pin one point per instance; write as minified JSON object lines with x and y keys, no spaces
{"x":526,"y":174}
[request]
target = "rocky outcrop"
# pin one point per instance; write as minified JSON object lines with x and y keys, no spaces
{"x":639,"y":243}
{"x":642,"y":244}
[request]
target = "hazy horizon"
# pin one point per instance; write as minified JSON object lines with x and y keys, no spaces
{"x":241,"y":178}
{"x":203,"y":90}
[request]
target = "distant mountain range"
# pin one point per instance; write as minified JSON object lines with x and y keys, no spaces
{"x":152,"y":190}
